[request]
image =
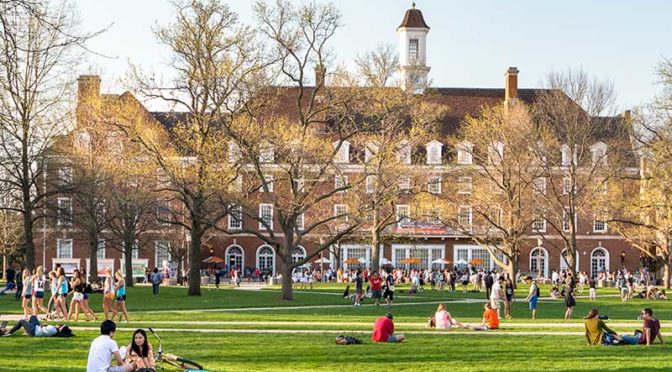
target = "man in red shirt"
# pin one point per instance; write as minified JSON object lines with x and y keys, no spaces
{"x":383,"y":330}
{"x":376,"y":287}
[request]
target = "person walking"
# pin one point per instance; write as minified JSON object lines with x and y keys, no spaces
{"x":108,"y":294}
{"x":389,"y":289}
{"x":489,"y":283}
{"x":27,"y":294}
{"x":38,"y":280}
{"x":376,"y":287}
{"x":508,"y":297}
{"x":359,"y":288}
{"x":570,"y":302}
{"x":155,"y":279}
{"x":120,"y":293}
{"x":496,"y":294}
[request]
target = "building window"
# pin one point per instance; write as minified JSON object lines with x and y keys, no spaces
{"x":163,"y":212}
{"x":599,"y":261}
{"x":539,"y":185}
{"x":266,"y":216}
{"x":538,"y":261}
{"x":64,"y":248}
{"x":162,"y":179}
{"x":235,"y":217}
{"x":266,"y":154}
{"x":100,"y":252}
{"x":598,"y":153}
{"x":495,"y":215}
{"x":341,"y":211}
{"x":84,"y":140}
{"x":496,"y":152}
{"x":135,"y":251}
{"x":434,"y":185}
{"x":65,"y":176}
{"x":539,"y":223}
{"x":237,"y":184}
{"x":235,"y":257}
{"x":162,"y":257}
{"x":565,"y":221}
{"x":370,"y":184}
{"x":233,"y":152}
{"x":299,"y":254}
{"x":464,"y":185}
{"x":566,"y":155}
{"x":268,"y":182}
{"x":413,"y":50}
{"x":600,"y":223}
{"x":404,"y":183}
{"x":464,"y":153}
{"x":64,"y":212}
{"x":404,"y":154}
{"x":566,"y":186}
{"x":434,"y":152}
{"x":464,"y":217}
{"x":341,"y":183}
{"x":403,"y":215}
{"x":266,"y":260}
{"x":300,"y":222}
{"x":343,"y":153}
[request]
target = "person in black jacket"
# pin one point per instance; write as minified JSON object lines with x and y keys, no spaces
{"x":489,"y":281}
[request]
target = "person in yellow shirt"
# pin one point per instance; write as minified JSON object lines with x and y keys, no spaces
{"x":596,"y":329}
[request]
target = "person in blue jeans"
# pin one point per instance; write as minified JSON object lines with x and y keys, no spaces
{"x":33,"y":328}
{"x":155,"y":278}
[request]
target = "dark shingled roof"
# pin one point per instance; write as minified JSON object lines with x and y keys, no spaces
{"x":413,"y":18}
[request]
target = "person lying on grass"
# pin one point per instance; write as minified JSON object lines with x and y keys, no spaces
{"x":383,"y":330}
{"x":596,"y":331}
{"x":32,"y":327}
{"x":490,"y":319}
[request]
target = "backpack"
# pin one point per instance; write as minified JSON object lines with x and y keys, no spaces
{"x":65,"y":331}
{"x":347,"y":340}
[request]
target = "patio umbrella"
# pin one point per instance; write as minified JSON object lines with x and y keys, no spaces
{"x":322,"y":260}
{"x":410,"y":261}
{"x":213,"y":259}
{"x":352,"y":261}
{"x":476,"y":262}
{"x":441,"y":261}
{"x":461,"y":262}
{"x":385,"y":261}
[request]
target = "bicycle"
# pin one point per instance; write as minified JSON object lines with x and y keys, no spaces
{"x":173,"y":360}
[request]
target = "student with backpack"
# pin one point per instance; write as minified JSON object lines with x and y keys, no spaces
{"x":533,"y":296}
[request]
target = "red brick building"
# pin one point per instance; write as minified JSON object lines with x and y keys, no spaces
{"x":600,"y":248}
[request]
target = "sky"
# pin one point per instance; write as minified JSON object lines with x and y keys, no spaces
{"x":470,"y":44}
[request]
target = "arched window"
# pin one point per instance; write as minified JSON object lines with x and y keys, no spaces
{"x":539,"y":262}
{"x":266,"y":260}
{"x":235,"y":257}
{"x":599,"y":261}
{"x":299,"y":254}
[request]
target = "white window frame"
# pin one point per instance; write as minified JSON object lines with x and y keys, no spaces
{"x":464,"y":185}
{"x":268,"y":181}
{"x":341,"y":180}
{"x":265,"y":207}
{"x":371,"y":149}
{"x":65,"y":176}
{"x":496,"y":152}
{"x":434,"y":152}
{"x":565,"y":156}
{"x":434,"y":185}
{"x":404,"y":153}
{"x":598,"y":153}
{"x":464,"y":153}
{"x":341,"y":209}
{"x":566,"y":185}
{"x":404,"y":183}
{"x":413,"y":50}
{"x":157,"y":262}
{"x":539,"y":184}
{"x":460,"y":220}
{"x":100,"y":251}
{"x":600,"y":225}
{"x":266,"y":154}
{"x":403,"y":214}
{"x":301,"y":221}
{"x":370,"y":184}
{"x":565,"y":220}
{"x":343,"y":154}
{"x":67,"y":218}
{"x":539,"y":223}
{"x":234,"y":153}
{"x":235,"y":217}
{"x":59,"y":248}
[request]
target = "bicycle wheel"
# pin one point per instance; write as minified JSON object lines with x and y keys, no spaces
{"x":182,"y":363}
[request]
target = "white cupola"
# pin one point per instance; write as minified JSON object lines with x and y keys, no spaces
{"x":413,"y":51}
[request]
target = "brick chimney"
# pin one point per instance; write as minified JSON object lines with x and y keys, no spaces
{"x":320,"y":72}
{"x":511,"y":84}
{"x":88,"y":98}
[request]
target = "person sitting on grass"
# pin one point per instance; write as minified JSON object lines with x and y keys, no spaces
{"x":103,"y":348}
{"x":490,"y":319}
{"x":383,"y":330}
{"x":33,"y":328}
{"x":139,"y":351}
{"x":650,"y":330}
{"x":443,"y":320}
{"x":596,"y":331}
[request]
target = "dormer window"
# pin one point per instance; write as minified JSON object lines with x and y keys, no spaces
{"x":343,"y":153}
{"x":413,"y":49}
{"x":464,"y":153}
{"x":266,"y":153}
{"x":496,"y":152}
{"x":434,"y":152}
{"x":567,"y":155}
{"x":371,"y":148}
{"x":598,"y":153}
{"x":84,"y":140}
{"x":233,"y":152}
{"x":404,"y":153}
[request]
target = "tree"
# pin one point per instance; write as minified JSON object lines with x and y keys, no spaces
{"x":38,"y":46}
{"x":500,"y":187}
{"x":10,"y":236}
{"x":580,"y":151}
{"x":216,"y":64}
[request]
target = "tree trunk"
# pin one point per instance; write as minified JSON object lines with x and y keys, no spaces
{"x":375,"y":250}
{"x":512,"y":268}
{"x":128,"y":260}
{"x":287,"y":266}
{"x":666,"y":272}
{"x":93,"y":257}
{"x":29,"y":243}
{"x":195,"y":261}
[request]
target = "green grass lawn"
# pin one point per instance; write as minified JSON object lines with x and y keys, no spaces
{"x":328,"y":312}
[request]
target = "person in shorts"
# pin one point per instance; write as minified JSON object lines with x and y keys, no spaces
{"x":496,"y":294}
{"x":533,"y":296}
{"x":389,"y":289}
{"x":383,"y":330}
{"x":376,"y":287}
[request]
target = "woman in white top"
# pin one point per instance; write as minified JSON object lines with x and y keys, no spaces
{"x":108,"y":294}
{"x":39,"y":282}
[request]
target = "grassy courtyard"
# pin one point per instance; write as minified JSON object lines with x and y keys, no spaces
{"x":237,"y":330}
